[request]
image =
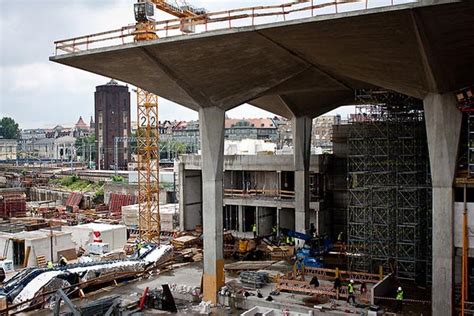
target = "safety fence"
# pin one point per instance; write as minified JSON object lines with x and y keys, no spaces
{"x":211,"y":21}
{"x":283,"y":194}
{"x":328,"y":291}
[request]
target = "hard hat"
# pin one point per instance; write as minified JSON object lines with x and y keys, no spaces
{"x":352,"y":281}
{"x":399,"y":288}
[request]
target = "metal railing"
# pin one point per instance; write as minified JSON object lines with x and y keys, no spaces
{"x":269,"y":193}
{"x":250,"y":16}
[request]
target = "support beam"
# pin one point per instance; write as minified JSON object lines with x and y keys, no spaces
{"x":182,"y":201}
{"x":211,"y":124}
{"x":257,"y":219}
{"x":302,"y":126}
{"x":241,"y":218}
{"x":443,"y":126}
{"x":278,"y":221}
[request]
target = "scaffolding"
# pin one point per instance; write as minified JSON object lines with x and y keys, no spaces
{"x":389,"y":210}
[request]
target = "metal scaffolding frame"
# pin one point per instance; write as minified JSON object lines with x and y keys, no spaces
{"x":389,"y":210}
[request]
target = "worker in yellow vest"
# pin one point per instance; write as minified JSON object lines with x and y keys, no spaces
{"x":254,"y":230}
{"x":63,"y":261}
{"x":50,"y":265}
{"x":350,"y":292}
{"x":399,"y":299}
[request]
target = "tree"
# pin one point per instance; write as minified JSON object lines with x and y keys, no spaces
{"x":9,"y":128}
{"x":179,"y":148}
{"x":86,"y":145}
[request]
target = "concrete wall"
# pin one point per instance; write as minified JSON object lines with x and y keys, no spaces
{"x":266,"y":220}
{"x":82,"y":235}
{"x":3,"y":241}
{"x":192,"y":193}
{"x":119,"y":188}
{"x":42,"y":247}
{"x":253,"y":162}
{"x":458,"y":211}
{"x":287,"y":218}
{"x":40,"y":243}
{"x":383,"y":288}
{"x":47,"y":194}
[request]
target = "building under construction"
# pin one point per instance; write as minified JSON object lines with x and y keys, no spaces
{"x":389,"y":207}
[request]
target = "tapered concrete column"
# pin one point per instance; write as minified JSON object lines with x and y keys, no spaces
{"x":257,"y":219}
{"x":278,"y":220}
{"x":443,"y":125}
{"x":302,"y":153}
{"x":241,"y":218}
{"x":182,"y":202}
{"x":211,"y":125}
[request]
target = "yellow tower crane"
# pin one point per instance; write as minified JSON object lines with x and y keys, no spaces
{"x":147,"y":118}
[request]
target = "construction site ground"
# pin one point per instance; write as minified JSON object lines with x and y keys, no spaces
{"x":190,"y":275}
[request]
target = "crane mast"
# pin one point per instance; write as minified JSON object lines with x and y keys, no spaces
{"x":148,"y":151}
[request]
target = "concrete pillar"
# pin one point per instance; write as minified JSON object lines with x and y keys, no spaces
{"x":241,"y":218}
{"x":211,"y":125}
{"x":181,"y":200}
{"x":278,"y":221}
{"x":443,"y":125}
{"x":302,"y":153}
{"x":257,"y":219}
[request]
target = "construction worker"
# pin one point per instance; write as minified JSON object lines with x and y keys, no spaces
{"x":312,"y":230}
{"x":337,"y":286}
{"x":350,"y":292}
{"x":399,"y":299}
{"x":339,"y":237}
{"x":50,"y":265}
{"x":139,"y":246}
{"x":254,"y":230}
{"x":63,"y":261}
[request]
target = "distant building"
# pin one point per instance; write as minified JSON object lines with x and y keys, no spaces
{"x":322,"y":131}
{"x":249,"y":147}
{"x":61,"y":148}
{"x":81,"y":129}
{"x":235,"y":130}
{"x":8,"y":149}
{"x":112,"y":119}
{"x":92,"y":124}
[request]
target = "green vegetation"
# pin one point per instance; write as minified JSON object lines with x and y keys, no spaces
{"x":75,"y":183}
{"x":166,"y":185}
{"x":117,"y":179}
{"x":9,"y":128}
{"x":99,"y":192}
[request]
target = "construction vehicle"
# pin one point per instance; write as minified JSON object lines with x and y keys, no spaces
{"x":147,"y":119}
{"x":313,"y":250}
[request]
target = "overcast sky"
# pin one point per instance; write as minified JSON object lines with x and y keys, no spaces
{"x":40,"y":93}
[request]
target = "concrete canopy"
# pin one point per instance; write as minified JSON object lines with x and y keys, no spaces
{"x":302,"y":67}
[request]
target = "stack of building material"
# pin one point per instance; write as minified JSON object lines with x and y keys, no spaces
{"x":12,"y":205}
{"x":247,"y":265}
{"x":256,"y":279}
{"x":168,"y":216}
{"x":130,"y":215}
{"x":72,"y":203}
{"x":185,"y":242}
{"x":74,"y":199}
{"x":280,"y":252}
{"x":117,"y":201}
{"x":189,"y":254}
